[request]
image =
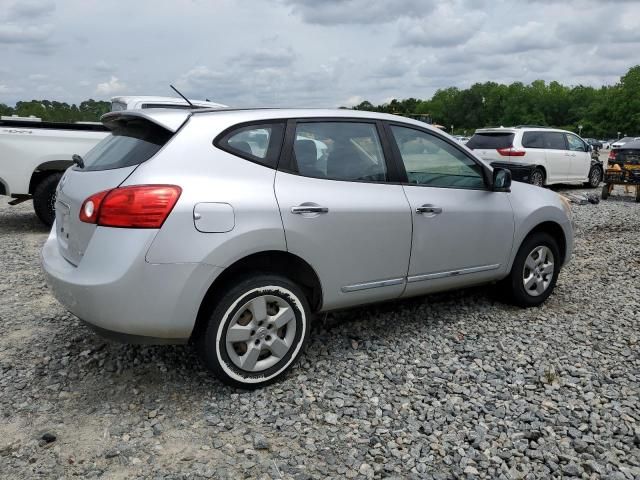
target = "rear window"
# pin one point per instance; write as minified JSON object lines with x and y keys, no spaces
{"x":491,"y":140}
{"x":132,"y":142}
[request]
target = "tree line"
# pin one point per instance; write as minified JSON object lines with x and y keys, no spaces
{"x":52,"y":111}
{"x":602,"y":112}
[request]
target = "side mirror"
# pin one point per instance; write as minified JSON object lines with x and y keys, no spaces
{"x":501,"y":180}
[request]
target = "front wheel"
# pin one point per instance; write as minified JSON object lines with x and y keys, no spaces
{"x":44,"y":198}
{"x":256,"y":332}
{"x":595,"y":177}
{"x":535,"y":271}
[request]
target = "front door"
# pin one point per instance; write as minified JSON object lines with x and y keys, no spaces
{"x":580,"y":158}
{"x":340,"y":214}
{"x":462,"y":233}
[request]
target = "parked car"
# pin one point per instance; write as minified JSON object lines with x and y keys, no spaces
{"x":619,"y":143}
{"x":559,"y":156}
{"x":596,"y":144}
{"x":34,"y":154}
{"x":176,"y":231}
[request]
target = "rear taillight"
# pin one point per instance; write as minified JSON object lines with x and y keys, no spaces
{"x":511,"y":152}
{"x":138,"y":206}
{"x":612,"y":155}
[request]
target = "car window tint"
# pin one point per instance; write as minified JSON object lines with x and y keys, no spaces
{"x":339,"y":151}
{"x":533,"y":140}
{"x":554,"y":141}
{"x":259,"y":143}
{"x":490,"y":140}
{"x":575,"y":144}
{"x":430,"y":160}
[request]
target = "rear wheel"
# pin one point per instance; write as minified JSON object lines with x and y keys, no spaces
{"x":44,"y":198}
{"x":256,"y":331}
{"x":535,"y":270}
{"x":537,"y":178}
{"x":595,"y":177}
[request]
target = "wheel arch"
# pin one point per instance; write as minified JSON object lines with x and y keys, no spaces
{"x":555,"y":230}
{"x":45,"y":169}
{"x":272,"y":261}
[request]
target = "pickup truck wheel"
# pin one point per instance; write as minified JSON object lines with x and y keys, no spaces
{"x":256,"y":332}
{"x":537,"y":178}
{"x":44,"y":198}
{"x":535,"y":271}
{"x":595,"y":177}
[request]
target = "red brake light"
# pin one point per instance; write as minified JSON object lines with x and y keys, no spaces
{"x":511,"y":152}
{"x":138,"y":206}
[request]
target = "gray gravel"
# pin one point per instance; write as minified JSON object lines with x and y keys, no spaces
{"x":456,"y":385}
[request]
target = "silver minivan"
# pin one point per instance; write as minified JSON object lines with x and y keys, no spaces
{"x":230,"y":229}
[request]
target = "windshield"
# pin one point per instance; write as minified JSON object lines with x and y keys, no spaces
{"x":132,"y":142}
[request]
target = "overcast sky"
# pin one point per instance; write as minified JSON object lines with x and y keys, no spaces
{"x":306,"y":52}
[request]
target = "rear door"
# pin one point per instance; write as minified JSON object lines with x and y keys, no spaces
{"x":580,"y":158}
{"x":133,"y":141}
{"x":462,"y":232}
{"x":558,"y":157}
{"x":339,"y":211}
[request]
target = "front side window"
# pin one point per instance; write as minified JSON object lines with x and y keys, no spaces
{"x":433,"y":162}
{"x":554,"y":141}
{"x":575,"y":144}
{"x":259,"y":143}
{"x":339,"y":151}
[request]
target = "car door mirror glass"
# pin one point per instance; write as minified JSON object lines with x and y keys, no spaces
{"x":501,"y":180}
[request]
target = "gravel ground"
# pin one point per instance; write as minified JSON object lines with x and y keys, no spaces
{"x":449,"y":386}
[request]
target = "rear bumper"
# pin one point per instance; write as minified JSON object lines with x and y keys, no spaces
{"x":520,"y":172}
{"x":121,"y":295}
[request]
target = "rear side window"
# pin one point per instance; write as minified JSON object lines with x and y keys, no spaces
{"x":132,"y":141}
{"x":339,"y":151}
{"x":259,"y":143}
{"x":491,"y":140}
{"x":533,"y":140}
{"x":554,"y":141}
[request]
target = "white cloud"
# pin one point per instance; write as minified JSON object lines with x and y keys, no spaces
{"x":111,"y":87}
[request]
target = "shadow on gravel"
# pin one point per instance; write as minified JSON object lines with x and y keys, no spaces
{"x":21,"y":222}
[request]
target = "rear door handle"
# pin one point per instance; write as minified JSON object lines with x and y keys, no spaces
{"x":309,"y":209}
{"x":429,"y":209}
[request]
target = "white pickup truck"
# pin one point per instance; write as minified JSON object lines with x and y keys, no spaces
{"x":34,"y":154}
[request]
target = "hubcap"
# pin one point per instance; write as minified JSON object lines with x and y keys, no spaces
{"x":538,"y":271}
{"x":261,"y":333}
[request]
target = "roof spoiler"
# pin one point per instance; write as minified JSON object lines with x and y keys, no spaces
{"x":170,"y":120}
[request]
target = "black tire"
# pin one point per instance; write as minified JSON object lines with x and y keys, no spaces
{"x":595,"y":177}
{"x":44,"y":198}
{"x":212,"y":342}
{"x":537,"y":177}
{"x":605,"y":192}
{"x":513,"y":284}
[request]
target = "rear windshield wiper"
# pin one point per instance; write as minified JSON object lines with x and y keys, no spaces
{"x":77,"y":159}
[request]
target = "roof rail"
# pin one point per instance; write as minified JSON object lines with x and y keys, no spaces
{"x":532,"y":126}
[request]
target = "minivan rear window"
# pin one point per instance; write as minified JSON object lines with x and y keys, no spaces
{"x":491,"y":140}
{"x":132,"y":141}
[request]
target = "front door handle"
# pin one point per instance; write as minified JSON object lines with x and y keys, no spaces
{"x":429,"y":209}
{"x":309,"y":209}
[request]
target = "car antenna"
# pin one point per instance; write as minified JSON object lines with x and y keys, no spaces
{"x":185,"y":98}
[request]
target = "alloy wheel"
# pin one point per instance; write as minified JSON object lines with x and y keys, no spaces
{"x":538,"y":271}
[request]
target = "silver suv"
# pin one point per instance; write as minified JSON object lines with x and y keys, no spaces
{"x":230,"y":229}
